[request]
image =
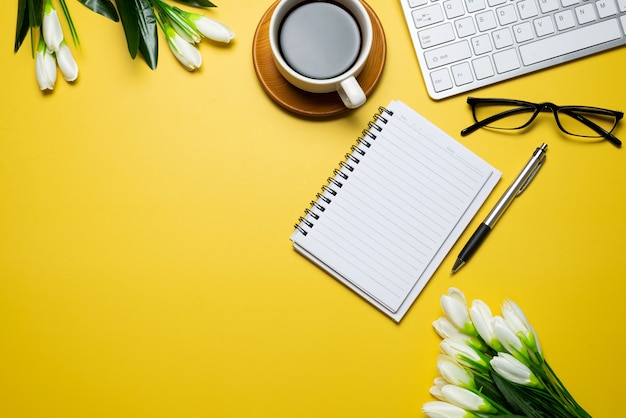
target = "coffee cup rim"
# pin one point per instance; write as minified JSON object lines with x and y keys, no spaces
{"x":362,"y":19}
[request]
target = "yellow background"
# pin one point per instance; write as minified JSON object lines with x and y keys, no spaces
{"x":145,"y":262}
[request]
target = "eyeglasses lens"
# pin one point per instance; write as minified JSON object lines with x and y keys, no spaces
{"x":509,"y":116}
{"x":581,"y":121}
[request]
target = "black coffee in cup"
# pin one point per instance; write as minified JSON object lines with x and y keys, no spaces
{"x":320,"y":39}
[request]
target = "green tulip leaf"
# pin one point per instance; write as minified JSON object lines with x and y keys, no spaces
{"x":489,"y":389}
{"x":23,"y":24}
{"x":29,"y":15}
{"x":130,"y":23}
{"x":148,"y":42}
{"x":197,"y":3}
{"x":532,"y":403}
{"x":103,"y":7}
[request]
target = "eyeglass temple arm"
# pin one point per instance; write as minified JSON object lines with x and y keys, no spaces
{"x":606,"y":134}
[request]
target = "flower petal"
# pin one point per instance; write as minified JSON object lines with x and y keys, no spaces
{"x":67,"y":63}
{"x":481,"y":316}
{"x":186,"y":53}
{"x":45,"y":69}
{"x":455,"y":308}
{"x":212,"y":29}
{"x":52,"y":32}
{"x":439,"y":409}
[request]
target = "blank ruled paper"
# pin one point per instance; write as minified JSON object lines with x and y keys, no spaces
{"x":394,"y":209}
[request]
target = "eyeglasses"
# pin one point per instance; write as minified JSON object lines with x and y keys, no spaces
{"x":581,"y":121}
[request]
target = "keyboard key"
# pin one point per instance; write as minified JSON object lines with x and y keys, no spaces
{"x":441,"y":80}
{"x":483,"y":68}
{"x":502,"y":38}
{"x":436,"y":36}
{"x":527,"y":9}
{"x":543,"y":26}
{"x":453,"y":8}
{"x":506,"y":61}
{"x":585,"y":14}
{"x":486,"y":21}
{"x":465,"y":27}
{"x":565,"y":20}
{"x":482,"y":44}
{"x":447,"y":54}
{"x":462,"y":74}
{"x":622,"y":5}
{"x":506,"y":14}
{"x":567,"y":3}
{"x":568,"y":42}
{"x":523,"y":32}
{"x":606,"y":8}
{"x":427,"y":16}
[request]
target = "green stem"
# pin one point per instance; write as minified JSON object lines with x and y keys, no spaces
{"x":563,"y":393}
{"x":70,"y":23}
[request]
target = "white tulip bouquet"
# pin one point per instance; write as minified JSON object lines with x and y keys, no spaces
{"x":493,"y":365}
{"x":140,"y":19}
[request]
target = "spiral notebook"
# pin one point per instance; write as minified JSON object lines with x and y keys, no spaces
{"x":394,"y":208}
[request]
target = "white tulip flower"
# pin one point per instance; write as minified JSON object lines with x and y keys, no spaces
{"x":45,"y":67}
{"x":51,"y":27}
{"x":211,"y":28}
{"x":455,"y":308}
{"x":516,"y":319}
{"x":186,"y":53}
{"x":481,"y":316}
{"x":189,"y":34}
{"x":453,"y":373}
{"x":67,"y":63}
{"x":464,"y":354}
{"x":440,"y":409}
{"x":514,"y":370}
{"x":435,"y":390}
{"x":509,"y":340}
{"x":467,"y":400}
{"x":445,"y":329}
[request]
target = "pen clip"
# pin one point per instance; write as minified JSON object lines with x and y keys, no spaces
{"x":531,"y":176}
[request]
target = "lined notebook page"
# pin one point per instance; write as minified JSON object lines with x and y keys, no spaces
{"x":394,"y":209}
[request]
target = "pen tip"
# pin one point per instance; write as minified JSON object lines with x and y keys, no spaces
{"x":457,"y":265}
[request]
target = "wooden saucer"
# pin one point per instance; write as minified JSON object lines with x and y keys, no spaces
{"x":316,"y":105}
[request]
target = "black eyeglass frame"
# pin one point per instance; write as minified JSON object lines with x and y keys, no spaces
{"x":524,"y":106}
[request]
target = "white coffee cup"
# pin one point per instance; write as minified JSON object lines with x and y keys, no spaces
{"x":322,"y":46}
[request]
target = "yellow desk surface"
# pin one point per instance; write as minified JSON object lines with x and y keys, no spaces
{"x":145,"y":262}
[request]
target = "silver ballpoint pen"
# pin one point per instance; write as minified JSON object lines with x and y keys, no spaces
{"x":519,"y":185}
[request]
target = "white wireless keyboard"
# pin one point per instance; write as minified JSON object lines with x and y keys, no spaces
{"x":465,"y":44}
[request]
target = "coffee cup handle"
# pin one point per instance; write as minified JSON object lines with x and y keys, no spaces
{"x":351,"y":93}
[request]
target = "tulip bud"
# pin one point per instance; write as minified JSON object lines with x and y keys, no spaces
{"x":439,"y":409}
{"x":516,"y":319}
{"x":186,"y":53}
{"x":514,"y":370}
{"x":435,"y":390}
{"x":211,"y":28}
{"x":45,"y":67}
{"x":509,"y":340}
{"x":467,"y":400}
{"x":480,"y":315}
{"x":445,"y":329}
{"x":464,"y":354}
{"x":51,"y":26}
{"x":67,"y":63}
{"x":455,"y":308}
{"x":453,"y":373}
